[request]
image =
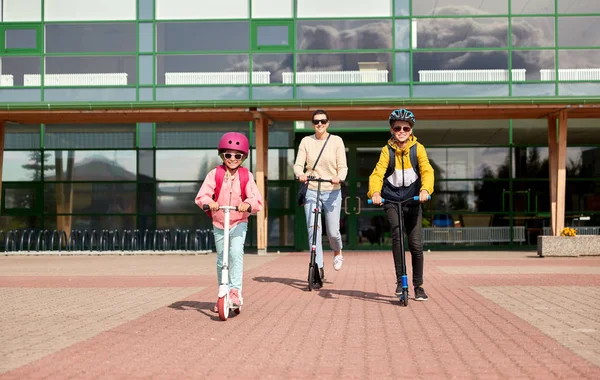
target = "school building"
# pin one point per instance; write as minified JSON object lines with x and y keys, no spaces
{"x":111,"y":111}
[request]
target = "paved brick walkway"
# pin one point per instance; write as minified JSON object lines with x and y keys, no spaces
{"x":491,"y":315}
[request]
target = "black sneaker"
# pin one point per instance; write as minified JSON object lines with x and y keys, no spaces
{"x":420,"y":294}
{"x":322,"y":273}
{"x":399,"y":289}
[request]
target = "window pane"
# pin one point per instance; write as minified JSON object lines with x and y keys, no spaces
{"x":146,"y":165}
{"x":95,"y":223}
{"x":146,"y":9}
{"x":73,"y":136}
{"x":274,"y":64}
{"x":351,"y":92}
{"x":146,"y":69}
{"x":344,"y":34}
{"x":402,"y":67}
{"x":351,"y":8}
{"x":281,"y":230}
{"x":22,"y":166}
{"x":145,"y":135}
{"x":201,"y":10}
{"x":205,"y":69}
{"x":471,"y":66}
{"x":402,"y":34}
{"x":97,"y":198}
{"x":96,"y":37}
{"x":90,"y":95}
{"x":463,"y":132}
{"x":146,"y":31}
{"x":471,"y":196}
{"x":463,"y":163}
{"x":90,"y":10}
{"x":583,"y":131}
{"x":272,"y":9}
{"x":228,"y":35}
{"x":192,"y":222}
{"x":532,"y":162}
{"x":272,"y":35}
{"x":272,"y":93}
{"x":20,"y":95}
{"x":402,"y":7}
{"x":536,"y":64}
{"x":21,"y":136}
{"x":530,"y":132}
{"x":342,"y":68}
{"x":578,"y":65}
{"x":19,"y":198}
{"x":195,"y":135}
{"x":532,"y":7}
{"x":458,"y":7}
{"x":90,"y":165}
{"x":579,"y":31}
{"x":582,"y":196}
{"x":462,"y":33}
{"x":533,"y":89}
{"x":16,"y":69}
{"x":88,"y":71}
{"x":281,"y":165}
{"x":20,"y":39}
{"x":197,"y":164}
{"x":533,"y":31}
{"x":175,"y":198}
{"x":579,"y":6}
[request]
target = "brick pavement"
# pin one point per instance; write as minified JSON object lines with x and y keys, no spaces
{"x":491,"y":315}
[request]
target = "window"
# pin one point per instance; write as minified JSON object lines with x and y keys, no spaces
{"x":89,"y":10}
{"x":272,"y":9}
{"x":21,"y":10}
{"x":207,"y":36}
{"x":272,"y":35}
{"x":20,"y":39}
{"x":201,"y":10}
{"x":348,"y":8}
{"x":91,"y":37}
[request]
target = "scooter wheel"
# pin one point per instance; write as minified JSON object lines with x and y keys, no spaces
{"x":405,"y":297}
{"x":223,"y":305}
{"x":311,"y":278}
{"x":238,"y":310}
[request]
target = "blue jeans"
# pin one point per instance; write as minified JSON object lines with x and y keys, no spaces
{"x":331,"y":207}
{"x":237,"y":237}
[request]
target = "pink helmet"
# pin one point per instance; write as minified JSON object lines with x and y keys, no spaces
{"x":235,"y":141}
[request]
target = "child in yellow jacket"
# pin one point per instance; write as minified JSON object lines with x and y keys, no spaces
{"x":412,"y":176}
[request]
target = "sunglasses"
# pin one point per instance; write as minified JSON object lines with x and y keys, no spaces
{"x":405,"y":129}
{"x":322,"y":121}
{"x":237,"y":156}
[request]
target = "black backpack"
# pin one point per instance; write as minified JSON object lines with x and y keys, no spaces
{"x":392,"y":162}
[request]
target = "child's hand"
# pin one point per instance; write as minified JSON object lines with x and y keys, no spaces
{"x":214,"y":206}
{"x":376,"y":198}
{"x":243,"y":207}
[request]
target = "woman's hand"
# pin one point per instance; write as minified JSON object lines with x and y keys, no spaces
{"x":336,"y":181}
{"x":302,"y":178}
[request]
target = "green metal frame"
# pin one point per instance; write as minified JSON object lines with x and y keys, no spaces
{"x":38,"y":27}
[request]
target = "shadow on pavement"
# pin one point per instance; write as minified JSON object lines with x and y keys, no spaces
{"x":203,"y":307}
{"x":330,"y":293}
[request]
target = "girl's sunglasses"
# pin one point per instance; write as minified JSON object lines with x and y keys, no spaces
{"x":406,"y":128}
{"x":237,"y":156}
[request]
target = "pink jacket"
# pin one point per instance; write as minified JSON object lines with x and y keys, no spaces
{"x":230,"y":195}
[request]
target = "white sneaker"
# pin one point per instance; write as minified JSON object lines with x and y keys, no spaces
{"x":337,"y":261}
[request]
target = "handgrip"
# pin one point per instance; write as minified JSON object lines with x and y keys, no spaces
{"x":207,"y":207}
{"x":415,"y":198}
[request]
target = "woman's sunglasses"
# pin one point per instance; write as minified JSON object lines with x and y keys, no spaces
{"x":405,"y":129}
{"x":237,"y":156}
{"x":322,"y":121}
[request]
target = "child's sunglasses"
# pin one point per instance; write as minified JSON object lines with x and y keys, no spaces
{"x":406,"y":128}
{"x":237,"y":156}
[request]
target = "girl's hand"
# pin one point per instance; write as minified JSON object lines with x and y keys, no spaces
{"x":243,"y":207}
{"x":214,"y":206}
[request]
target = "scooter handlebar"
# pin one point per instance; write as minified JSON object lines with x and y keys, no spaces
{"x":315,"y":179}
{"x":415,"y":198}
{"x":207,"y":207}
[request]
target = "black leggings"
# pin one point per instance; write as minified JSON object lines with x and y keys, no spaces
{"x":414,"y":229}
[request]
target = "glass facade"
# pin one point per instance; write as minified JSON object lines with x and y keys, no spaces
{"x":490,"y":172}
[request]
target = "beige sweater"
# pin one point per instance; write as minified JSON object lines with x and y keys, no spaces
{"x":332,"y":163}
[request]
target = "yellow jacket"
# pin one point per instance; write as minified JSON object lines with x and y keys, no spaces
{"x":402,"y":177}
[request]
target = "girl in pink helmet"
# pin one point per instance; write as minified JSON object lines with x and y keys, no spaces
{"x":233,"y":185}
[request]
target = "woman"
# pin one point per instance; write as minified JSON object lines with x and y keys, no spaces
{"x":331,"y":165}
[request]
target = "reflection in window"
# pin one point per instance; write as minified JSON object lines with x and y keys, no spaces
{"x":462,"y":163}
{"x":207,"y":36}
{"x":192,"y":222}
{"x":197,"y":164}
{"x":21,"y":136}
{"x":272,"y":35}
{"x":19,"y":198}
{"x":207,"y":69}
{"x":91,"y":223}
{"x":468,"y":66}
{"x":453,"y":132}
{"x":343,"y":34}
{"x":281,"y":162}
{"x":20,"y":39}
{"x":351,"y":8}
{"x":92,"y":136}
{"x":92,"y":37}
{"x":580,"y":6}
{"x":275,"y":64}
{"x":16,"y":69}
{"x":23,"y":166}
{"x":532,"y":7}
{"x":462,"y":33}
{"x":100,"y":165}
{"x":195,"y":135}
{"x":532,"y":162}
{"x":87,"y":71}
{"x":582,"y":196}
{"x":579,"y":31}
{"x":533,"y":31}
{"x":81,"y":198}
{"x":536,"y":64}
{"x":281,"y":230}
{"x":584,"y":132}
{"x":341,"y":68}
{"x":402,"y":34}
{"x":576,"y":65}
{"x":175,"y":197}
{"x":469,"y":196}
{"x":458,"y":7}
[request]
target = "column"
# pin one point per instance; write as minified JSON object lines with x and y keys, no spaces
{"x":261,"y":128}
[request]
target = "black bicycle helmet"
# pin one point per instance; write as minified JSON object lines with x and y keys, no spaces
{"x":402,"y":115}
